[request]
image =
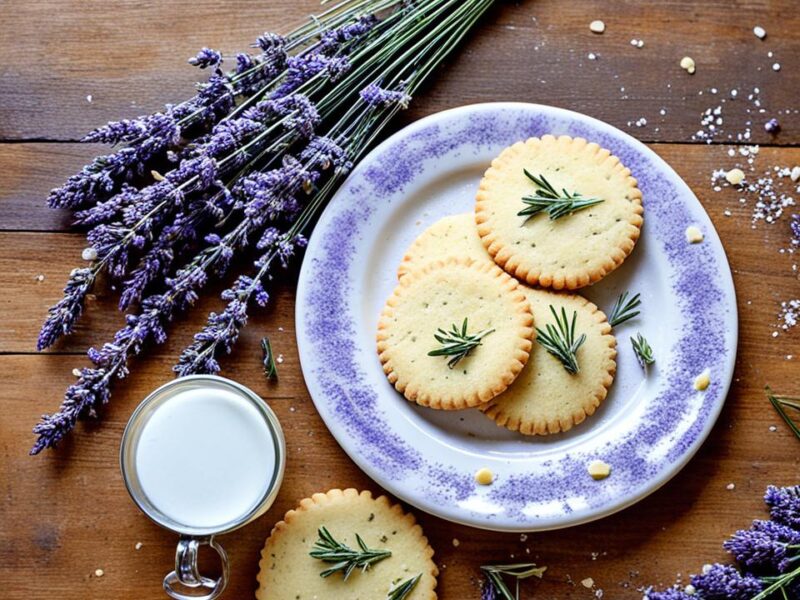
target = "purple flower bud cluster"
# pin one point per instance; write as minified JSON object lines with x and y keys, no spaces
{"x":768,"y":554}
{"x":205,"y":58}
{"x":794,"y":226}
{"x":375,"y":95}
{"x":62,"y":317}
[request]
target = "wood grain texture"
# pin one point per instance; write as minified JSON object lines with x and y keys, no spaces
{"x":66,"y":513}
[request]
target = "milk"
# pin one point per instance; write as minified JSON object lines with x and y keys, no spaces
{"x":205,"y":457}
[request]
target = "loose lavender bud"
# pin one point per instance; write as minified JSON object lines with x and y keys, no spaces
{"x":784,"y":505}
{"x":374,"y":95}
{"x":764,"y":546}
{"x":488,"y":592}
{"x":206,"y":58}
{"x":724,"y":582}
{"x":65,"y":313}
{"x":669,"y":594}
{"x":772,"y":126}
{"x":794,"y":226}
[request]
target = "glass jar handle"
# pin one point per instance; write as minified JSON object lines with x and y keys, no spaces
{"x":186,"y":573}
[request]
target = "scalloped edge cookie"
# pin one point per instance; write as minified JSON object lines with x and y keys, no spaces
{"x":359,"y":505}
{"x":510,"y":254}
{"x":453,"y":235}
{"x":515,"y":419}
{"x":511,"y":349}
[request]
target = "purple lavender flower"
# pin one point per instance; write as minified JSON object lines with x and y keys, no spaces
{"x":375,"y":95}
{"x":764,"y":547}
{"x":65,"y":313}
{"x":206,"y":57}
{"x":271,"y":43}
{"x":772,"y":126}
{"x":668,"y":594}
{"x":794,"y":226}
{"x":784,"y":505}
{"x":159,"y":125}
{"x":724,"y":582}
{"x":488,"y":592}
{"x":331,"y":41}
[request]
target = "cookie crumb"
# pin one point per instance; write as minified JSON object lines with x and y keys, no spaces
{"x":89,"y":254}
{"x":702,"y":381}
{"x":730,"y":486}
{"x":693,"y":234}
{"x":599,"y":469}
{"x":588,"y":583}
{"x":734,"y":176}
{"x":597,"y":26}
{"x":484,"y":476}
{"x":456,"y":543}
{"x":99,"y":572}
{"x":138,"y":546}
{"x":688,"y":64}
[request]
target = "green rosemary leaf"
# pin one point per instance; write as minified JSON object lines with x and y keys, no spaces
{"x":624,"y":309}
{"x":457,"y":343}
{"x":401,"y":590}
{"x":560,"y":341}
{"x":781,"y":403}
{"x":270,"y":370}
{"x":547,"y":199}
{"x":644,"y":353}
{"x":494,"y":576}
{"x":344,"y":558}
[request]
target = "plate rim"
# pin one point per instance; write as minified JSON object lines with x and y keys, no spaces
{"x":726,"y":282}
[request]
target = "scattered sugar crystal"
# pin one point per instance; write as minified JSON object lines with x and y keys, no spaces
{"x":592,"y":56}
{"x":789,"y":314}
{"x":138,"y":546}
{"x":730,"y":486}
{"x":776,"y":66}
{"x":597,"y":26}
{"x":759,"y":32}
{"x":588,"y":583}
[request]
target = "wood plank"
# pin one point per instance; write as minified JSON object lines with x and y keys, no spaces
{"x":135,"y":62}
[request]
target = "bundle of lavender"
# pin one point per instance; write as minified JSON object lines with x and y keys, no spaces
{"x":249,"y":160}
{"x":768,"y":553}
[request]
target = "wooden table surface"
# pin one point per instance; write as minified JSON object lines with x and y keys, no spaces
{"x":66,"y":513}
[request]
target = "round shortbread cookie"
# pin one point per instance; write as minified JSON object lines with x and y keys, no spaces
{"x":455,"y":235}
{"x":577,"y":249}
{"x":288,"y":572}
{"x":545,"y":398}
{"x":439,"y":296}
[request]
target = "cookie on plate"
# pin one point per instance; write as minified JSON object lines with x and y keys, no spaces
{"x":455,"y":235}
{"x":576,"y":248}
{"x":454,"y":333}
{"x":546,"y":398}
{"x":288,"y":571}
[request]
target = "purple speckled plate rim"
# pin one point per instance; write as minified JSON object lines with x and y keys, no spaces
{"x":347,"y":406}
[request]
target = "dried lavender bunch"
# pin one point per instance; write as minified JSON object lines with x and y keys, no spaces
{"x":231,"y":191}
{"x":768,"y":554}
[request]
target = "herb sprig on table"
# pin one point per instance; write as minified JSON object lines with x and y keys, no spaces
{"x":555,"y":204}
{"x":560,"y":341}
{"x":345,"y":559}
{"x":268,"y":359}
{"x":496,"y":588}
{"x":457,"y":343}
{"x":784,"y":404}
{"x":247,"y":163}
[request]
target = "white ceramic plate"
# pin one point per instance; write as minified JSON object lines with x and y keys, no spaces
{"x":647,"y":428}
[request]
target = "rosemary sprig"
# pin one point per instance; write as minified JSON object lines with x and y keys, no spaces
{"x":781,"y":404}
{"x":401,"y":590}
{"x":457,"y":344}
{"x":345,"y":559}
{"x":270,"y":369}
{"x":644,"y":353}
{"x":559,"y":339}
{"x":494,"y":576}
{"x":624,"y":309}
{"x":547,"y":199}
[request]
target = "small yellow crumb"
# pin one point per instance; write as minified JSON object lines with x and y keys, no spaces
{"x":599,"y":469}
{"x":484,"y":476}
{"x":588,"y":582}
{"x":89,"y":253}
{"x":597,"y":26}
{"x":138,"y":545}
{"x":99,"y":572}
{"x":734,"y":176}
{"x":694,"y":235}
{"x":157,"y":176}
{"x":689,"y":590}
{"x":76,"y":372}
{"x":702,"y":381}
{"x":688,"y":64}
{"x":456,"y":543}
